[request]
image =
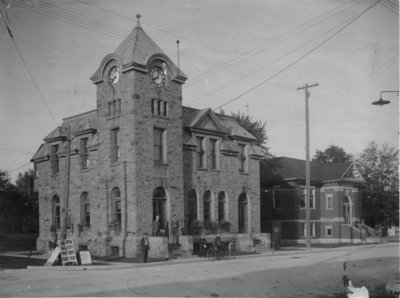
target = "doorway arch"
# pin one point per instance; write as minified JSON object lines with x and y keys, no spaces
{"x":159,"y":204}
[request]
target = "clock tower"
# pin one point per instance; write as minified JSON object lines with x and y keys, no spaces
{"x":140,"y":159}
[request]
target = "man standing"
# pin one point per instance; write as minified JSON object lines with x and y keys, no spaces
{"x":156,"y":226}
{"x":145,"y":247}
{"x":174,"y":230}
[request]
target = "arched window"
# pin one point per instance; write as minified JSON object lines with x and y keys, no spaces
{"x":159,"y":202}
{"x":242,"y":213}
{"x":192,"y":208}
{"x":116,"y":213}
{"x":207,"y":207}
{"x":85,"y":210}
{"x":221,"y":206}
{"x":56,"y":211}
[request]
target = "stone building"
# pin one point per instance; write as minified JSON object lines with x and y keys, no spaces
{"x":139,"y":154}
{"x":335,"y":202}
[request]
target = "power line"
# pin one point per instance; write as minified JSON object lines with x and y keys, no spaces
{"x":275,"y":40}
{"x":17,"y":168}
{"x":269,"y":64}
{"x":28,"y":70}
{"x":301,"y":58}
{"x":80,"y":21}
{"x":153,"y":27}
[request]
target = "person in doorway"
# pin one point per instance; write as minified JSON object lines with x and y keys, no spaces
{"x":156,"y":226}
{"x":145,"y":247}
{"x":174,"y":230}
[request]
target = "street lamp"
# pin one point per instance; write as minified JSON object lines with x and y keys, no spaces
{"x":382,"y":102}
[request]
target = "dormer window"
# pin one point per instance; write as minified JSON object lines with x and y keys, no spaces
{"x":55,"y":160}
{"x":200,"y":152}
{"x":242,"y":158}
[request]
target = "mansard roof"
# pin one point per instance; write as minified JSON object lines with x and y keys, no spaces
{"x":287,"y":168}
{"x":80,"y":124}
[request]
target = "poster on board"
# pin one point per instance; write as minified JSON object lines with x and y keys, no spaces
{"x":68,"y":255}
{"x":85,"y":257}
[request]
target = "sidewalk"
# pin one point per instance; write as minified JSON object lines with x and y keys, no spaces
{"x":103,"y":264}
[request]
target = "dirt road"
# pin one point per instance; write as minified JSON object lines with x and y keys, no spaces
{"x":313,"y":274}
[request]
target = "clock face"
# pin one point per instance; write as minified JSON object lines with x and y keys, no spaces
{"x":158,"y":76}
{"x":113,"y":77}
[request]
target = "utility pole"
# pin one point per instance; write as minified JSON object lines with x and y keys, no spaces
{"x":307,"y":199}
{"x":66,"y":132}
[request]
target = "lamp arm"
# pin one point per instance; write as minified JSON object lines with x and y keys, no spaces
{"x":389,"y":91}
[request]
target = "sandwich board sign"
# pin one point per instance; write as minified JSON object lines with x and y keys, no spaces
{"x":53,"y":257}
{"x":67,"y":250}
{"x":85,"y":257}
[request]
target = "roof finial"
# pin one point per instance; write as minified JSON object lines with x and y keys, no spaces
{"x":138,"y":21}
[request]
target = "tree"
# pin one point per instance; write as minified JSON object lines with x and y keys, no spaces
{"x":331,"y":154}
{"x":379,"y":168}
{"x":256,"y":128}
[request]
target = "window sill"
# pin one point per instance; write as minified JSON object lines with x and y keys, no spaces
{"x":243,"y":173}
{"x":113,"y":117}
{"x":214,"y":170}
{"x":160,"y":116}
{"x":160,"y":164}
{"x":84,"y":170}
{"x":202,"y":169}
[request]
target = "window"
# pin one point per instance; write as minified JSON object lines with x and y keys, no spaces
{"x":200,"y":152}
{"x":56,"y":211}
{"x":207,"y":207}
{"x":328,"y":231}
{"x":158,"y":144}
{"x":312,"y":229}
{"x":192,"y":208}
{"x":116,"y":207}
{"x":85,"y":210}
{"x":276,"y":199}
{"x":114,"y":107}
{"x":55,"y":161}
{"x":35,"y":170}
{"x":159,"y":107}
{"x":84,"y":153}
{"x":213,"y":154}
{"x":114,"y":145}
{"x":242,"y":158}
{"x":329,"y":201}
{"x":221,"y":206}
{"x":312,"y":199}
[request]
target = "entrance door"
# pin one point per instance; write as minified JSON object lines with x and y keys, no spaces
{"x":159,"y":199}
{"x":242,"y":213}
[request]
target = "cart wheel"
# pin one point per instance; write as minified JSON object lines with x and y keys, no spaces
{"x":211,"y":255}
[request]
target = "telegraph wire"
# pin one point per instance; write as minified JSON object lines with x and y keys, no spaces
{"x":268,"y":64}
{"x":301,"y":57}
{"x":305,"y":26}
{"x":28,"y":70}
{"x":152,"y":27}
{"x":80,"y":21}
{"x":17,"y":168}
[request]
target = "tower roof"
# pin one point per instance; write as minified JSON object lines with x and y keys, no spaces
{"x":135,"y":51}
{"x":137,"y":47}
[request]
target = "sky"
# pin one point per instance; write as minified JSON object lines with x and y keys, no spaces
{"x":248,"y":56}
